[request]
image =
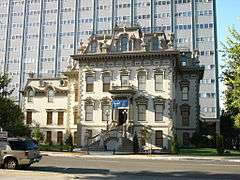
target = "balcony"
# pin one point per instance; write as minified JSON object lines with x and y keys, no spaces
{"x":122,"y":89}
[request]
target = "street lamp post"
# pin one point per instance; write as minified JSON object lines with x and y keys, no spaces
{"x":107,"y":113}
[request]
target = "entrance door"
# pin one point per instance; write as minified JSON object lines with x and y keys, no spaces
{"x":122,"y":116}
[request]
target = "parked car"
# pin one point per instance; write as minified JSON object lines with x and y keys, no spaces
{"x":18,"y":152}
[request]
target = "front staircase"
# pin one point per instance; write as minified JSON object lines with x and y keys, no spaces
{"x":115,"y":139}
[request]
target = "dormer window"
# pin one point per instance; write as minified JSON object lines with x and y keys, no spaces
{"x":94,"y":46}
{"x":30,"y":95}
{"x":155,"y":44}
{"x":124,"y":44}
{"x":50,"y":95}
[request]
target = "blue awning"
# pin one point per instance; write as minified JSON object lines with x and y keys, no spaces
{"x":120,"y":103}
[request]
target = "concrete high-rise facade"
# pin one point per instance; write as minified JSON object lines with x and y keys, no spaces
{"x":39,"y":35}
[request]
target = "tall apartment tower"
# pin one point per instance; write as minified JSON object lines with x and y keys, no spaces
{"x":39,"y":35}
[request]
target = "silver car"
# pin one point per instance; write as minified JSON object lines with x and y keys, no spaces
{"x":18,"y":152}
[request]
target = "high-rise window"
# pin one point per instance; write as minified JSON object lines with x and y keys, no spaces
{"x":60,"y":118}
{"x":106,"y":82}
{"x":88,"y":113}
{"x":29,"y":117}
{"x":49,"y":117}
{"x":89,"y":83}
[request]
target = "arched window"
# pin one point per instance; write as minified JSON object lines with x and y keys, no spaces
{"x":155,"y":44}
{"x":30,"y":95}
{"x":50,"y":95}
{"x":124,"y":44}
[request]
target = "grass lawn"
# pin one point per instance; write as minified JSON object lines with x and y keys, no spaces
{"x":206,"y":152}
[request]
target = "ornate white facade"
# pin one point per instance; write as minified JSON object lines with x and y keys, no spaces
{"x":132,"y":83}
{"x":52,"y":103}
{"x":126,"y":84}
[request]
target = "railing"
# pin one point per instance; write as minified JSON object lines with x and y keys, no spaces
{"x":129,"y":88}
{"x":104,"y":135}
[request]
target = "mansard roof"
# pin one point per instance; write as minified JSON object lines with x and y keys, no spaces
{"x":127,"y":40}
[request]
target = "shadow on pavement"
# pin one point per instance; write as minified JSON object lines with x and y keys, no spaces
{"x":53,"y":169}
{"x":100,"y":174}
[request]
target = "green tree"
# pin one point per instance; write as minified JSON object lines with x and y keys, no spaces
{"x":4,"y":81}
{"x":37,"y":134}
{"x":11,"y":116}
{"x":174,"y":147}
{"x":219,"y":144}
{"x":135,"y":143}
{"x":231,"y":73}
{"x":69,"y":141}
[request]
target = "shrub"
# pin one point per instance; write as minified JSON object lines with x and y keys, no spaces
{"x":135,"y":144}
{"x":199,"y":140}
{"x":37,"y":134}
{"x":69,"y":141}
{"x":174,"y":147}
{"x":219,"y":144}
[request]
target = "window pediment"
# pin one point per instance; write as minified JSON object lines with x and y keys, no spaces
{"x":142,"y":71}
{"x":184,"y":83}
{"x":49,"y":88}
{"x":141,"y":100}
{"x":159,"y":100}
{"x":158,"y":70}
{"x":106,"y":101}
{"x":89,"y":101}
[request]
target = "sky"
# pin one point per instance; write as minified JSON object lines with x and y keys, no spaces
{"x":228,"y":14}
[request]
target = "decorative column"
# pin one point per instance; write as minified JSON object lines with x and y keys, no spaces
{"x":80,"y":84}
{"x":72,"y":76}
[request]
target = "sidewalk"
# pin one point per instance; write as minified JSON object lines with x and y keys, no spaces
{"x":109,"y":155}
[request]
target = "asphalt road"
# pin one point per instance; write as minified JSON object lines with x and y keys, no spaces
{"x":68,"y":168}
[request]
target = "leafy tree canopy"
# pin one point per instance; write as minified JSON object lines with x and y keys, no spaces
{"x":4,"y":81}
{"x":231,"y":73}
{"x":11,"y":116}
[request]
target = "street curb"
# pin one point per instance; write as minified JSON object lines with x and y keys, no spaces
{"x":141,"y":157}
